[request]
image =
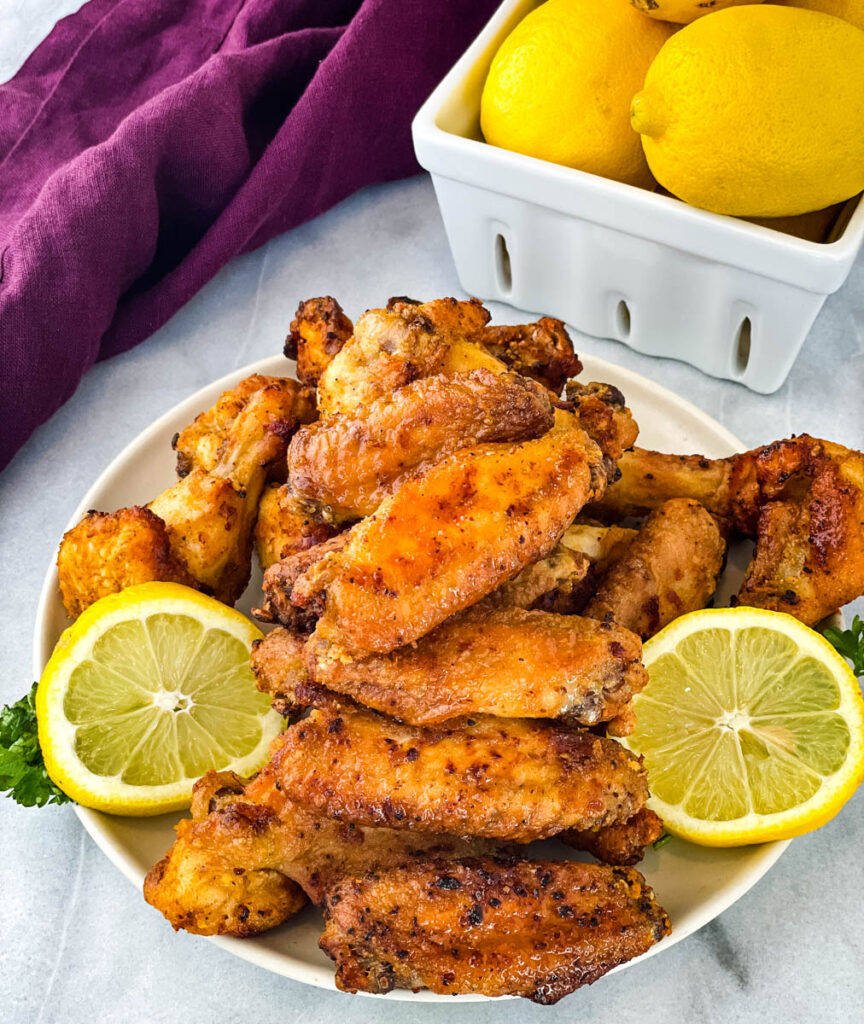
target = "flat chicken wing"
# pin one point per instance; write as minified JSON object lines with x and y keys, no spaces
{"x":351,"y":462}
{"x":507,"y":662}
{"x":109,"y":551}
{"x":513,"y":780}
{"x":538,"y":929}
{"x":670,"y":569}
{"x":243,"y":863}
{"x":318,"y":334}
{"x":449,"y":537}
{"x":286,"y":526}
{"x":199,"y":446}
{"x":391,"y":347}
{"x":603,"y":414}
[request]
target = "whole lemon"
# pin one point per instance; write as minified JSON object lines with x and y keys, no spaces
{"x":684,"y":11}
{"x":757,"y":112}
{"x":559,"y":87}
{"x":849,"y":10}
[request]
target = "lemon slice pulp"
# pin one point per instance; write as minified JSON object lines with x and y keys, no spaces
{"x":752,"y":727}
{"x":149,"y":689}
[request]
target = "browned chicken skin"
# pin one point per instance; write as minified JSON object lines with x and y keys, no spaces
{"x":603,"y":415}
{"x":802,"y":499}
{"x":242,"y":864}
{"x":670,"y":569}
{"x":351,"y":463}
{"x":318,"y":333}
{"x":446,"y":539}
{"x":108,"y":551}
{"x":515,"y":780}
{"x":507,"y":662}
{"x":541,"y":350}
{"x":286,"y":526}
{"x":208,"y":515}
{"x":539,"y":929}
{"x":623,"y":843}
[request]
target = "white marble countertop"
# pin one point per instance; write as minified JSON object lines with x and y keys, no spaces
{"x":78,"y":942}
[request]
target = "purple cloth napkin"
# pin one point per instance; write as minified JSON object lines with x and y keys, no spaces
{"x":146,"y":142}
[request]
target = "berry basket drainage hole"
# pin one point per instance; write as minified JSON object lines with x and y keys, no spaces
{"x":503,"y":270}
{"x":743,"y":341}
{"x":622,"y":319}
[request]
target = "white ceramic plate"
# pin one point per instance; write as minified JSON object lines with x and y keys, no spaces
{"x":693,"y":883}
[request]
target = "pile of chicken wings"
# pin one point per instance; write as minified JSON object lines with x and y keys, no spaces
{"x":463,"y":552}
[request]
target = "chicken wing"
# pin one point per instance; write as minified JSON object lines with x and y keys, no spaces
{"x":648,"y":479}
{"x":513,"y":780}
{"x":507,"y":662}
{"x":207,"y":517}
{"x":539,"y":929}
{"x":541,"y":350}
{"x":603,"y":414}
{"x":391,"y":347}
{"x":318,"y":334}
{"x":352,"y":462}
{"x":623,"y":843}
{"x":199,"y":446}
{"x":109,"y":551}
{"x":669,"y":569}
{"x":286,"y":526}
{"x":806,"y":498}
{"x":449,"y":537}
{"x":243,"y":863}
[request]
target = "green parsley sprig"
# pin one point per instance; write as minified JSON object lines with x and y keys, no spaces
{"x":22,"y":770}
{"x":850,"y":643}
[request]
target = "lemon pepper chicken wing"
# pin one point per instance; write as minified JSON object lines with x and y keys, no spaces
{"x":207,"y":516}
{"x":513,"y":780}
{"x":318,"y":333}
{"x":200,"y":445}
{"x":539,"y":929}
{"x":541,"y":350}
{"x":351,"y":462}
{"x":287,"y":526}
{"x":623,"y":843}
{"x":449,"y":537}
{"x":242,"y":863}
{"x":669,"y":569}
{"x":506,"y":662}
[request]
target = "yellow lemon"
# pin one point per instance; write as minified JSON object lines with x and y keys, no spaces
{"x":751,"y":725}
{"x":148,"y":690}
{"x":559,"y":87}
{"x":684,"y":11}
{"x":757,"y":112}
{"x":849,"y":10}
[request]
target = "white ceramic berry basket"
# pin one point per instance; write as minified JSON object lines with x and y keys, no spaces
{"x":732,"y":298}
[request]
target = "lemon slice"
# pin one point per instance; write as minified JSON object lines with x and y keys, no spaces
{"x":148,"y":690}
{"x":752,"y":727}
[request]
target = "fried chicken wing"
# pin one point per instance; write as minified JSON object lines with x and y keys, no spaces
{"x":242,"y":865}
{"x":109,"y":551}
{"x":541,"y":350}
{"x":207,"y":516}
{"x":199,"y":446}
{"x":806,"y":498}
{"x":449,"y":537}
{"x":286,"y":526}
{"x":391,"y":347}
{"x":507,"y":662}
{"x":669,"y":569}
{"x":648,"y":479}
{"x":603,"y":414}
{"x":514,"y":780}
{"x":352,"y":462}
{"x":624,"y":843}
{"x":318,"y":334}
{"x":539,"y":929}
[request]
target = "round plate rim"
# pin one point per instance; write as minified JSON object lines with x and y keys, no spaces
{"x":279,"y":962}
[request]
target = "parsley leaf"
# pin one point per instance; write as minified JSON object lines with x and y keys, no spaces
{"x":22,"y":770}
{"x":850,"y":643}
